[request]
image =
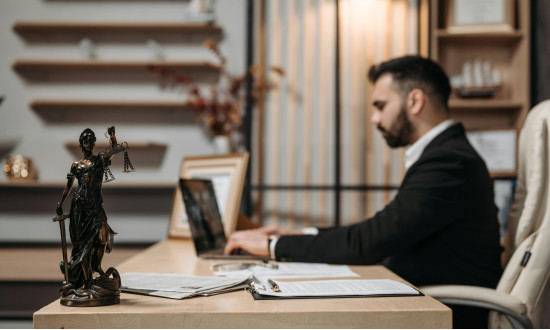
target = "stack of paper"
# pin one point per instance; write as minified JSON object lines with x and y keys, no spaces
{"x":179,"y":286}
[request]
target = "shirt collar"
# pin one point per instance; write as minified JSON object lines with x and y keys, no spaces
{"x":415,"y":151}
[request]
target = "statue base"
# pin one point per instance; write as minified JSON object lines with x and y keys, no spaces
{"x":88,"y":302}
{"x":104,"y":290}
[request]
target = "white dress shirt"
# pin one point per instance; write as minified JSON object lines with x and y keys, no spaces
{"x":415,"y":150}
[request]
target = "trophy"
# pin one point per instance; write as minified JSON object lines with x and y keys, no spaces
{"x":90,"y":234}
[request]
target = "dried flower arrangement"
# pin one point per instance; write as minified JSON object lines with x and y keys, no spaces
{"x":221,"y":108}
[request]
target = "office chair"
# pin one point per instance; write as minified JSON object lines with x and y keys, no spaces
{"x":522,"y":296}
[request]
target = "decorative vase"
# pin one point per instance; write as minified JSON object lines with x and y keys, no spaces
{"x":222,"y":144}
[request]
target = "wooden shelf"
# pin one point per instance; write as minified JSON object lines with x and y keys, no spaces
{"x":42,"y":264}
{"x":483,"y":36}
{"x":97,"y":65}
{"x":114,"y":27}
{"x":484,"y":104}
{"x":132,"y":145}
{"x":76,"y":105}
{"x":59,"y":185}
{"x":503,"y":175}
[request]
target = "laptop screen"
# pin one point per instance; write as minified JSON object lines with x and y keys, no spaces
{"x":204,"y":217}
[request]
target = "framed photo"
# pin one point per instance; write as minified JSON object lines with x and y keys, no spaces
{"x":227,"y":173}
{"x":475,"y":16}
{"x":497,"y":147}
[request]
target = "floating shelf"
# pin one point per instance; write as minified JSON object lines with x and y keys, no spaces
{"x":484,"y":104}
{"x":97,"y":65}
{"x":142,"y":154}
{"x":132,"y":145}
{"x":74,"y":105}
{"x":114,"y":27}
{"x":495,"y":36}
{"x":59,"y":185}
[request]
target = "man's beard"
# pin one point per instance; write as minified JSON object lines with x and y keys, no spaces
{"x":399,"y":134}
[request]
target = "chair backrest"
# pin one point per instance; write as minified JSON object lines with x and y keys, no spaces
{"x":527,"y":273}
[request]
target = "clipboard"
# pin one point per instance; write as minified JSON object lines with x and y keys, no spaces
{"x":259,"y":291}
{"x":258,"y":296}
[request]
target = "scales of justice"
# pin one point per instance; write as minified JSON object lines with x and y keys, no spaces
{"x":90,"y":234}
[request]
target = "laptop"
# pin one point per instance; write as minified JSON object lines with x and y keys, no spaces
{"x":205,"y":220}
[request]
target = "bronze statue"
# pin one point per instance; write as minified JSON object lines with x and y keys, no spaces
{"x":89,"y":231}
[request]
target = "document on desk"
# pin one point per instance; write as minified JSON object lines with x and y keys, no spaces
{"x":293,"y":270}
{"x":179,"y":286}
{"x":332,"y":289}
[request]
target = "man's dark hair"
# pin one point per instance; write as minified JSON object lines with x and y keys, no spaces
{"x":410,"y":72}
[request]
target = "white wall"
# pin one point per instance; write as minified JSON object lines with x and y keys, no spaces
{"x":23,"y":131}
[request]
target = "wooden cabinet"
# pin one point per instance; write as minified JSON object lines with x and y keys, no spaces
{"x":508,"y":51}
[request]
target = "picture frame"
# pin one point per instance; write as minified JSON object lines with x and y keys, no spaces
{"x":498,"y":148}
{"x":227,"y":173}
{"x":474,"y":16}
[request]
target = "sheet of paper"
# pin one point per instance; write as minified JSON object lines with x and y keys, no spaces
{"x":293,"y":270}
{"x":336,"y":288}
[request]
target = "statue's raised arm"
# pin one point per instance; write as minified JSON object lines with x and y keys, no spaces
{"x":114,"y":147}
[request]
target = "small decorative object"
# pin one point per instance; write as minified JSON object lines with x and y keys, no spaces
{"x":90,"y":234}
{"x":474,"y":16}
{"x":156,"y":49}
{"x":221,"y":106}
{"x":87,"y":48}
{"x":477,"y":79}
{"x":19,"y":168}
{"x":200,"y":11}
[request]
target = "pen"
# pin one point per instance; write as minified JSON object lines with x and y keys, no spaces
{"x":274,"y":286}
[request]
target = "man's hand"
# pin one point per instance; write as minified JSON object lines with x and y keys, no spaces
{"x":253,"y":241}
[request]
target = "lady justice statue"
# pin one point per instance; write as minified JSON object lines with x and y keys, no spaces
{"x":89,"y":231}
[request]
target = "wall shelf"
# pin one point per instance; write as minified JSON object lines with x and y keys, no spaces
{"x":142,"y":154}
{"x":58,"y":186}
{"x":133,"y":145}
{"x":456,"y":104}
{"x":77,"y":105}
{"x":28,"y":65}
{"x":24,"y":27}
{"x":482,"y":36}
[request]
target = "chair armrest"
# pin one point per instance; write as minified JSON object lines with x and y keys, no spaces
{"x":513,"y":308}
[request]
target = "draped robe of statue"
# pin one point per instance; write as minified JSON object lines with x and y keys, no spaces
{"x":89,"y":231}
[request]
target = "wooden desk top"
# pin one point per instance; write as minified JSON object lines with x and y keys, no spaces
{"x":238,"y":309}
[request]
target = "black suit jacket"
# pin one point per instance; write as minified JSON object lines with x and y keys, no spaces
{"x":441,"y":227}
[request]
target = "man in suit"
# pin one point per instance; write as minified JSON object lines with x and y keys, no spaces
{"x":441,"y":227}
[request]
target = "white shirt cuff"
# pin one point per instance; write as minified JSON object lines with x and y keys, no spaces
{"x":272,"y":244}
{"x":310,"y":231}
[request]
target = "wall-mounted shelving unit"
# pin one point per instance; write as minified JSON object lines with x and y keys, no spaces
{"x":508,"y":51}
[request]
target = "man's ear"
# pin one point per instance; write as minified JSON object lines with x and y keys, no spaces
{"x":416,"y":101}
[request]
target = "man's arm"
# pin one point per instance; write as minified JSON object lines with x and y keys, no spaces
{"x":429,"y":199}
{"x":255,"y":241}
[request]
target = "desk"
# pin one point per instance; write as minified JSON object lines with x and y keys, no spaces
{"x":238,"y":309}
